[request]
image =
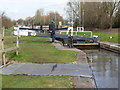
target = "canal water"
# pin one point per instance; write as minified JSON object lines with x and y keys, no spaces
{"x":104,"y":65}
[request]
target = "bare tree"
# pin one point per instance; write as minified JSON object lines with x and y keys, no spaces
{"x":5,"y":21}
{"x":38,"y":18}
{"x":28,"y":21}
{"x":91,"y":14}
{"x":74,"y":11}
{"x":54,"y":16}
{"x":109,"y":8}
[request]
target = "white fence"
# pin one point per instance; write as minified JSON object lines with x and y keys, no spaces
{"x":79,"y":29}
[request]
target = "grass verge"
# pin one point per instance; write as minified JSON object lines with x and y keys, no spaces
{"x":22,"y":81}
{"x":106,"y":37}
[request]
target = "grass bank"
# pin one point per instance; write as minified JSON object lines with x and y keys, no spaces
{"x":40,"y":50}
{"x":22,"y":81}
{"x":106,"y":37}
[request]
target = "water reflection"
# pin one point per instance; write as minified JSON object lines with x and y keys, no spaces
{"x":105,"y":67}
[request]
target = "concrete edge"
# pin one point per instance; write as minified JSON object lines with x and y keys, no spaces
{"x":110,"y":46}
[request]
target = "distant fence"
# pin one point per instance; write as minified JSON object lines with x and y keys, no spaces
{"x":78,"y":32}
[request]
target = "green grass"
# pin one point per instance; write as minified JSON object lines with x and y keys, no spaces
{"x":8,"y":32}
{"x":85,"y":34}
{"x":22,"y":81}
{"x":40,"y":50}
{"x":9,"y":39}
{"x":106,"y":37}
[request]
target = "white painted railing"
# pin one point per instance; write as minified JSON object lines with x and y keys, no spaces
{"x":79,"y":29}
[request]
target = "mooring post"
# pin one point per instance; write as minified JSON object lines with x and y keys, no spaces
{"x":3,"y":48}
{"x":17,"y":43}
{"x":70,"y":39}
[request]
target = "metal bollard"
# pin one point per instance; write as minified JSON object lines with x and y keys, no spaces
{"x":95,"y":40}
{"x":70,"y":40}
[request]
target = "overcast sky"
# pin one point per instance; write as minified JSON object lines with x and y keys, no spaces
{"x":16,"y":9}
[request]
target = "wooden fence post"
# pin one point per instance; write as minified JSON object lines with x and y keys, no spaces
{"x":3,"y":48}
{"x":17,"y":44}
